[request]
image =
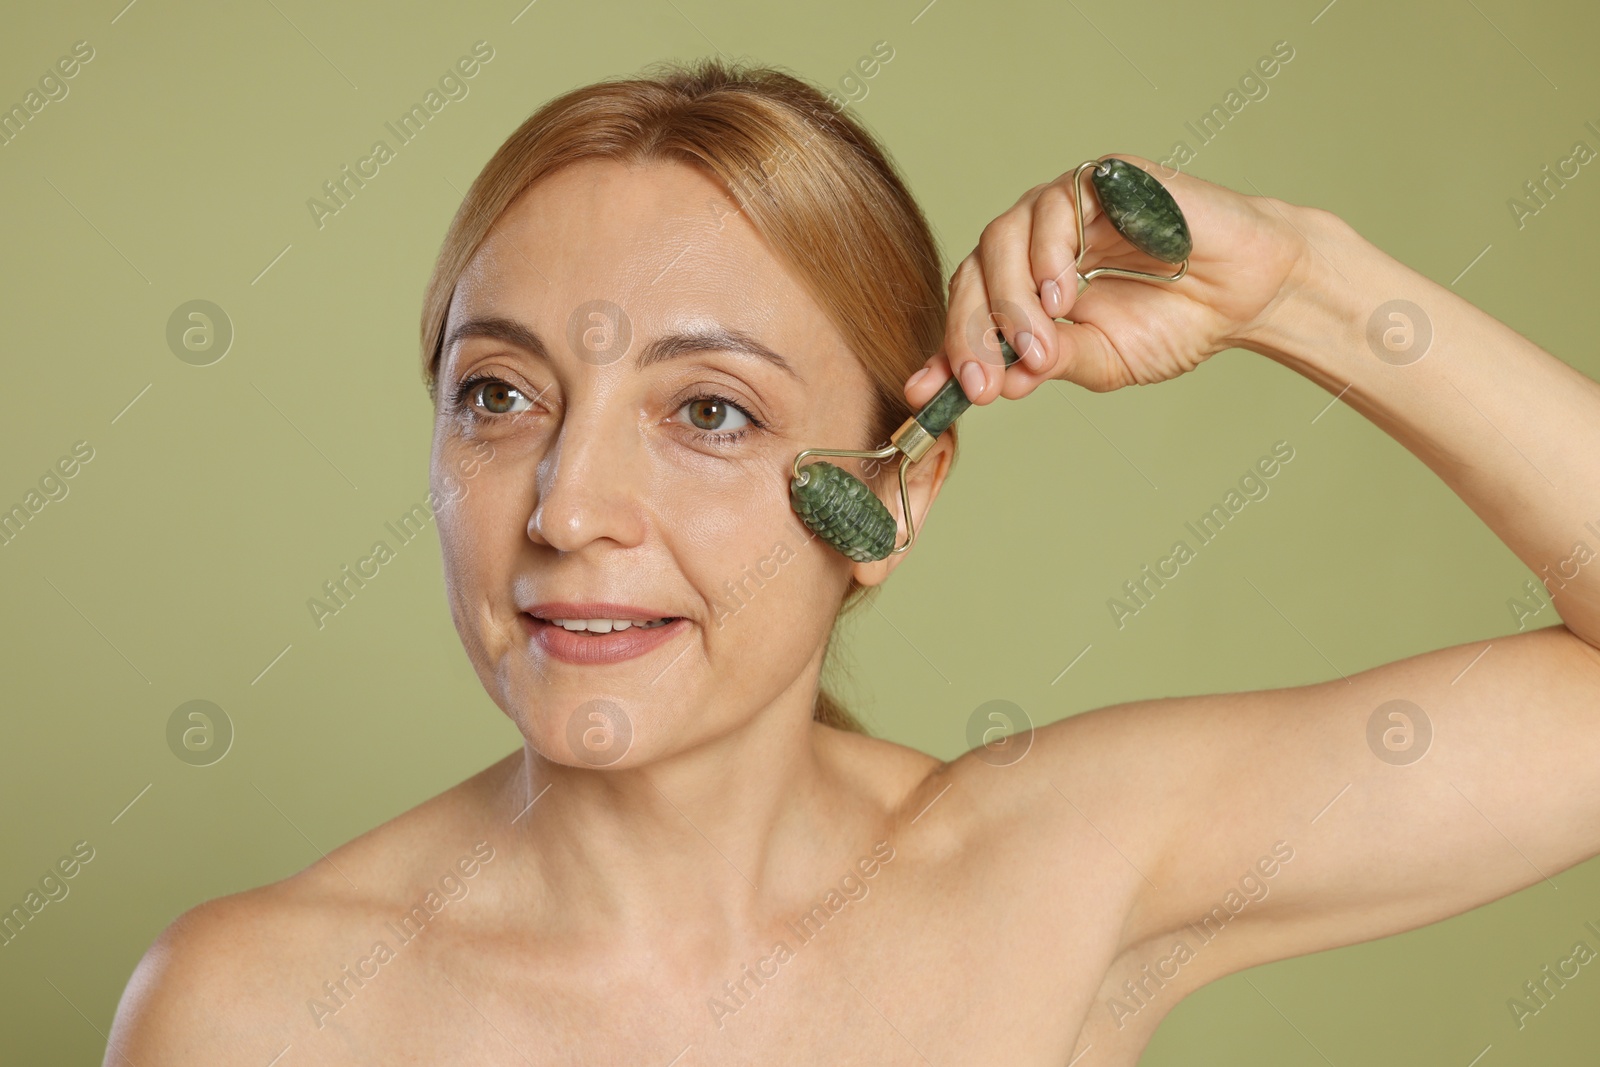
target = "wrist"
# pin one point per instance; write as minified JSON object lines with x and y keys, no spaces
{"x":1320,"y":313}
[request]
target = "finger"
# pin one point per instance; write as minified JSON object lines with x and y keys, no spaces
{"x":1053,"y":246}
{"x":1087,"y":356}
{"x":1020,"y":381}
{"x":969,"y":336}
{"x":932,"y":378}
{"x":1014,"y":307}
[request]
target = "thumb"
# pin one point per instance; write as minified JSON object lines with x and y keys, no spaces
{"x":1085,"y":356}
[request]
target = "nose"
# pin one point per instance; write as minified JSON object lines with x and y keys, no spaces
{"x":590,"y":483}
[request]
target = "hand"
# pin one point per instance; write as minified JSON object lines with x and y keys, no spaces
{"x":1123,"y":331}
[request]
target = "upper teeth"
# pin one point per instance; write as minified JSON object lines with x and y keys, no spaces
{"x":604,"y":626}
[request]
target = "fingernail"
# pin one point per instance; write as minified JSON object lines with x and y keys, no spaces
{"x":917,"y":377}
{"x":972,"y":378}
{"x":1032,"y":353}
{"x":1050,"y":296}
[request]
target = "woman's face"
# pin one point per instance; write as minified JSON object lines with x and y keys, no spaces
{"x":619,"y":438}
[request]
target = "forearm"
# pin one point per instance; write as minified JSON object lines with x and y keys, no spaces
{"x":1512,"y":429}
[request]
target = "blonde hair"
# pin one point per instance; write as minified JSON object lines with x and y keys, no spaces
{"x":810,"y":180}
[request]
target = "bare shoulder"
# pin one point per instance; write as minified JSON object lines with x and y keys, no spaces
{"x":229,"y":980}
{"x":1193,"y":805}
{"x":1084,"y":802}
{"x":210,"y":985}
{"x":1114,"y":767}
{"x":1020,"y":774}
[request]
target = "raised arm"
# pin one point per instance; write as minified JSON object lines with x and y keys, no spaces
{"x":1421,"y":788}
{"x":1512,"y":429}
{"x":1428,"y":786}
{"x":1406,"y":793}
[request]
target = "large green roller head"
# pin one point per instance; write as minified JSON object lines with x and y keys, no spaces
{"x":843,"y":511}
{"x":840,"y":508}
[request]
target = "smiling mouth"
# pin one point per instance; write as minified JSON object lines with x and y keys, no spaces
{"x":596,"y":627}
{"x":601,"y":641}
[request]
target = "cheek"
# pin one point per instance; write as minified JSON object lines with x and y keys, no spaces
{"x":727,"y":513}
{"x":481,"y":521}
{"x":769,"y":589}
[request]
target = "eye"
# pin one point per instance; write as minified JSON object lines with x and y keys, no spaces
{"x":495,"y":396}
{"x":714,"y":412}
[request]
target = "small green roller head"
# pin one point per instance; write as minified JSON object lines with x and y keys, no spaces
{"x":842,"y":511}
{"x":1142,"y":210}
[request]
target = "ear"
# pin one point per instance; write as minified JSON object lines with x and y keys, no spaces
{"x":923,"y":481}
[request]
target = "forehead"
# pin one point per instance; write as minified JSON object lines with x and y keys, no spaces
{"x":665,"y":242}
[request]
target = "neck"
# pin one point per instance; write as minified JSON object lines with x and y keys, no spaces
{"x":733,"y":832}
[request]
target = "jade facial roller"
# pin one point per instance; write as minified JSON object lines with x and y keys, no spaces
{"x":839,"y":507}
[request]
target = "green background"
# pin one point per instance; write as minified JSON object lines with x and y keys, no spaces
{"x":178,"y":567}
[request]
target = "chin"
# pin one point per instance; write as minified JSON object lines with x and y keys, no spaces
{"x":584,"y":732}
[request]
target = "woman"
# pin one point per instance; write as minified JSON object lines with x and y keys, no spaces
{"x":658,"y":292}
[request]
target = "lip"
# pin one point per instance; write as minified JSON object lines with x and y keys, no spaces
{"x":593,"y":609}
{"x":591,"y":649}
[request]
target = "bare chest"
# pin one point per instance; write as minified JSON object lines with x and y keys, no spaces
{"x":922,"y":965}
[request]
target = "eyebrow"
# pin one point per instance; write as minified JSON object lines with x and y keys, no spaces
{"x":715,"y":338}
